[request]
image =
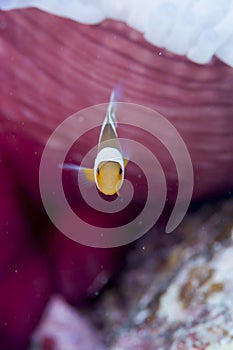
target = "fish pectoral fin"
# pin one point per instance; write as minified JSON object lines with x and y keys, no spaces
{"x":89,"y":174}
{"x":86,"y":175}
{"x":125,"y":161}
{"x":69,"y":166}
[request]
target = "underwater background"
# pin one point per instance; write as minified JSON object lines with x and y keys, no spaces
{"x":163,"y":291}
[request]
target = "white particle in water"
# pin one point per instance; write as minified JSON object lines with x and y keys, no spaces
{"x":217,"y":246}
{"x":141,"y":316}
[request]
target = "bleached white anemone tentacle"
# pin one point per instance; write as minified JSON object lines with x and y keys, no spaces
{"x":198,"y":29}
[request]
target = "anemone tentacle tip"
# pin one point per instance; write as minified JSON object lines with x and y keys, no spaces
{"x":183,"y":28}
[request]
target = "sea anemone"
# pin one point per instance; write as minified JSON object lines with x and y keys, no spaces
{"x":52,"y":67}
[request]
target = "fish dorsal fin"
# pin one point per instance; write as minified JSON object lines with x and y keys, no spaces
{"x":108,"y":129}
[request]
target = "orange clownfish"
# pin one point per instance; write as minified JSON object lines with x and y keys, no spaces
{"x":109,"y":166}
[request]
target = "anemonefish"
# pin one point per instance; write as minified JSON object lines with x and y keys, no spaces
{"x":109,"y":166}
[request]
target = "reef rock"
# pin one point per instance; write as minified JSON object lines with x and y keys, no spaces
{"x":177,"y":291}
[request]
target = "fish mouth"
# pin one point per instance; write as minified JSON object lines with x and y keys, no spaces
{"x":110,"y":191}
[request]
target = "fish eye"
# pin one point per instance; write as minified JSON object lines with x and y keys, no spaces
{"x":98,"y":171}
{"x":120,"y":171}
